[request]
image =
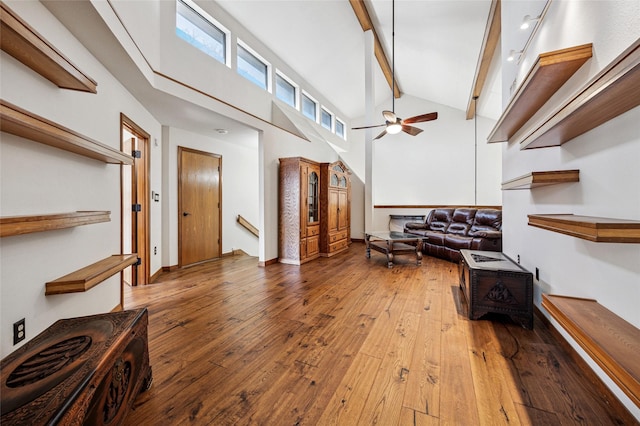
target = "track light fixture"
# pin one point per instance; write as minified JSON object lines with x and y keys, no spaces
{"x":513,"y":54}
{"x":527,"y":21}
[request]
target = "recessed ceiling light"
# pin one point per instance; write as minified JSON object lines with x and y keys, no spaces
{"x":222,"y":131}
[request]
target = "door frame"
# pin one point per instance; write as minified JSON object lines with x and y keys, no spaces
{"x":142,"y":197}
{"x":182,"y":149}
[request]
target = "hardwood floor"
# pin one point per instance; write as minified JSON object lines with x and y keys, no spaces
{"x":346,"y":341}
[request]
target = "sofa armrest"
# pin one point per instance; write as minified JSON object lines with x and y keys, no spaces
{"x":416,"y":225}
{"x":487,"y":234}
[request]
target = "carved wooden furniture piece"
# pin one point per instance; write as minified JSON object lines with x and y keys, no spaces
{"x":492,"y":282}
{"x":18,"y":225}
{"x":546,"y":76}
{"x":335,"y":208}
{"x":299,"y":210}
{"x":610,"y":340}
{"x":85,"y":370}
{"x":23,"y":123}
{"x":537,"y":179}
{"x":393,"y":243}
{"x":24,"y":43}
{"x":596,"y":229}
{"x":612,"y":92}
{"x":90,"y":276}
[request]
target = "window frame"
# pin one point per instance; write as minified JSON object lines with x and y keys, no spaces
{"x":296,"y":89}
{"x":336,"y":120}
{"x":332,"y":127}
{"x":316,"y":119}
{"x":215,"y":23}
{"x":269,"y":76}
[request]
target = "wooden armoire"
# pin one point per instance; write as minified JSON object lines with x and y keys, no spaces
{"x":298,"y":210}
{"x":335,"y":208}
{"x":314,"y":209}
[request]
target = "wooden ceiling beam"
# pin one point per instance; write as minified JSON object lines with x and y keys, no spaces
{"x":489,"y":44}
{"x":360,"y":9}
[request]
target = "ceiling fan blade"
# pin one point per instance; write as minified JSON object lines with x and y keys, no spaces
{"x":384,"y":132}
{"x":411,"y":130}
{"x":421,"y":118}
{"x":367,"y":127}
{"x":389,"y":116}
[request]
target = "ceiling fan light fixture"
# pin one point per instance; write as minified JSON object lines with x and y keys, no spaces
{"x":394,"y":128}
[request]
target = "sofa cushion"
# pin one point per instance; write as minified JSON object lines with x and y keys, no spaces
{"x":435,"y":237}
{"x":487,"y":224}
{"x":457,"y":242}
{"x":439,"y":219}
{"x":464,"y":216}
{"x":461,"y":221}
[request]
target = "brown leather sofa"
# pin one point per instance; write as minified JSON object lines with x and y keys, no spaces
{"x":449,"y":229}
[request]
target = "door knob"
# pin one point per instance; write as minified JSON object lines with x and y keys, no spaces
{"x":186,"y":214}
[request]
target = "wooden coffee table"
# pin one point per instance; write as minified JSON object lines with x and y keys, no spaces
{"x":392,"y":243}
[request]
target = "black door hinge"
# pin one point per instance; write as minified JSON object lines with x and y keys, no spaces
{"x":136,"y":207}
{"x":136,"y":154}
{"x":138,"y":262}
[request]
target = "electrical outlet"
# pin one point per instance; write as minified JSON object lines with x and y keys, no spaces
{"x":537,"y":274}
{"x":19,"y":331}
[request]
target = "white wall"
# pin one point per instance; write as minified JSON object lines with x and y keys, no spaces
{"x":212,"y":81}
{"x":239,"y":180}
{"x":436,"y":167}
{"x":38,"y":179}
{"x":608,"y":158}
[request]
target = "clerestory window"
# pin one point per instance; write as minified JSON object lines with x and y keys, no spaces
{"x":200,"y":30}
{"x":252,"y":67}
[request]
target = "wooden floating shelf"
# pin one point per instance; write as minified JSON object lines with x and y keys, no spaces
{"x":20,"y":122}
{"x":536,"y":179}
{"x":545,"y":77}
{"x":90,"y":276}
{"x":24,"y":43}
{"x":612,"y":342}
{"x":18,"y":225}
{"x":612,"y":92}
{"x":597,"y":229}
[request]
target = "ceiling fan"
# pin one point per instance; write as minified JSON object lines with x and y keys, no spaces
{"x":393,"y":123}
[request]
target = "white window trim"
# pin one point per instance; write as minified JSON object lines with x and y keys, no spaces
{"x":304,"y":92}
{"x":261,"y":59}
{"x":297,"y":101}
{"x":217,"y":24}
{"x":344,"y":127}
{"x":333,"y":119}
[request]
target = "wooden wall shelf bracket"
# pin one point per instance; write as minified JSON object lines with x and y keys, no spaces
{"x":90,"y":276}
{"x":24,"y":43}
{"x":546,"y":76}
{"x":20,"y":122}
{"x":18,"y":225}
{"x":612,"y":92}
{"x":596,"y":229}
{"x":612,"y":342}
{"x":536,"y":179}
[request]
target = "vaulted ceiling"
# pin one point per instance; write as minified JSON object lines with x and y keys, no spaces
{"x":437,"y":45}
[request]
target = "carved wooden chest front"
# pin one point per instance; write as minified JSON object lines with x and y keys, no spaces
{"x":85,"y":370}
{"x":491,"y":282}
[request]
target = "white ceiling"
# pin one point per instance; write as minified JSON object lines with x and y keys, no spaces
{"x":437,"y":44}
